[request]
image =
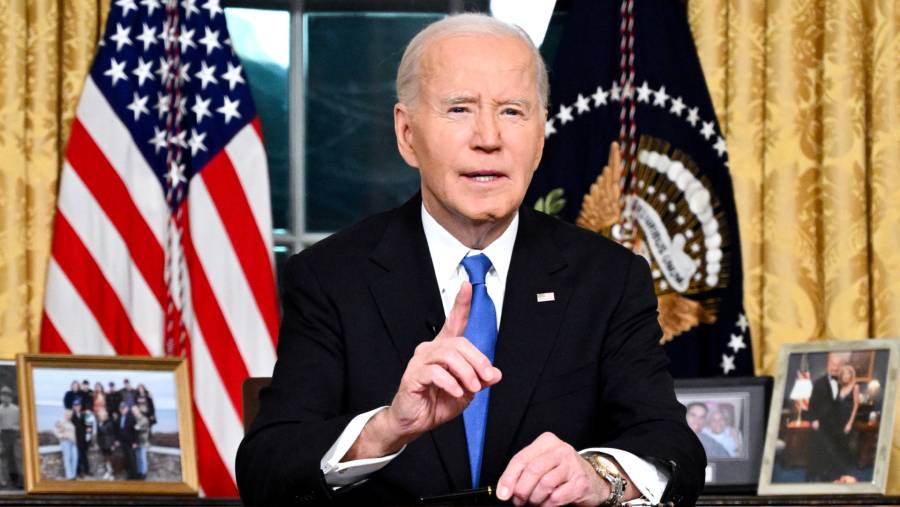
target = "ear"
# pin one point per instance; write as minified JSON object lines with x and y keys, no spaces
{"x":403,"y":131}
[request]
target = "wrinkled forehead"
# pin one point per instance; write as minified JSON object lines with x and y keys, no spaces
{"x":478,"y":59}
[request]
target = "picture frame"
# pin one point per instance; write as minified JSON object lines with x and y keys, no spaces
{"x":12,"y":477}
{"x":105,"y":440}
{"x":810,"y":448}
{"x":729,"y":415}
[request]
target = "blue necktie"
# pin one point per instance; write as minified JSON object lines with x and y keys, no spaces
{"x":481,"y":330}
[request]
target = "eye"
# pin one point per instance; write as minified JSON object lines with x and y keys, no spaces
{"x":510,"y":111}
{"x":458,"y":109}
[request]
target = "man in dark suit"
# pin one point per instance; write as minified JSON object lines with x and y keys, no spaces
{"x":126,"y":439}
{"x":460,"y":341}
{"x":825,"y":460}
{"x":82,"y":430}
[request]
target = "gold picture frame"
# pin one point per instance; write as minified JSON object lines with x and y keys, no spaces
{"x":811,"y":450}
{"x":171,"y":471}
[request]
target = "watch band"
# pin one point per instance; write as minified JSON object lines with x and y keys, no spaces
{"x":609,"y":473}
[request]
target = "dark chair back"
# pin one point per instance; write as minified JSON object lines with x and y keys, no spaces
{"x":251,"y":388}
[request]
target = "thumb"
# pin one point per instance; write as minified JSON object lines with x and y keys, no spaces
{"x":459,"y":314}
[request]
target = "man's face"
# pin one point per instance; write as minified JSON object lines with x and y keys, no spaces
{"x":476,"y":131}
{"x":717,"y":422}
{"x":696,"y":417}
{"x":834,"y":364}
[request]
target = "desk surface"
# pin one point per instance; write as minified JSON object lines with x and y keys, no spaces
{"x":172,"y":501}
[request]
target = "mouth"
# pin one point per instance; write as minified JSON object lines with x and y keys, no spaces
{"x":484,"y":176}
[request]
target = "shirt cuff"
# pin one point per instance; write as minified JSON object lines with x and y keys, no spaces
{"x":339,"y":474}
{"x":650,"y":480}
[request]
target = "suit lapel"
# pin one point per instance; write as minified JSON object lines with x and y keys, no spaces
{"x":528,"y":331}
{"x":408,"y":299}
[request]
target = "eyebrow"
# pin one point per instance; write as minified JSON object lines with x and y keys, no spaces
{"x":469,"y":99}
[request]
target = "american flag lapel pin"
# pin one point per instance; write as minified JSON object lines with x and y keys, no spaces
{"x":543,"y":297}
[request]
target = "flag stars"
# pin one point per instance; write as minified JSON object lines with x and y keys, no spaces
{"x":183,"y":75}
{"x":677,"y":106}
{"x":196,"y":142}
{"x":229,"y":109}
{"x":190,"y":8}
{"x":116,"y":71}
{"x":549,"y":129}
{"x":660,"y":97}
{"x":138,"y":106}
{"x":162,"y":103}
{"x":737,"y":343}
{"x":707,"y":131}
{"x":582,"y":105}
{"x":720,"y":146}
{"x":210,"y":40}
{"x":205,"y":75}
{"x":615,"y":91}
{"x":142,"y":71}
{"x":201,"y":108}
{"x":213,"y":7}
{"x":121,"y":37}
{"x":147,"y":36}
{"x":151,"y":6}
{"x":178,"y":139}
{"x":692,"y":116}
{"x":158,"y":140}
{"x":186,"y":39}
{"x":727,"y":364}
{"x":600,"y":97}
{"x":742,"y":323}
{"x":644,"y":93}
{"x":564,"y":114}
{"x":233,"y":76}
{"x":628,"y":91}
{"x":175,"y":174}
{"x":126,"y":6}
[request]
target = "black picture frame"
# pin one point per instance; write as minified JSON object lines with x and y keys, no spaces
{"x":749,"y":398}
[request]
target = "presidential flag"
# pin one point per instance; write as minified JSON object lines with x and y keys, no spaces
{"x":627,"y":72}
{"x":162,"y":240}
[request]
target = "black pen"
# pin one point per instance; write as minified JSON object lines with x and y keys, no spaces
{"x":487,"y":490}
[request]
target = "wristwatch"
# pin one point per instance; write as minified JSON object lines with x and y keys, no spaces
{"x":609,"y":473}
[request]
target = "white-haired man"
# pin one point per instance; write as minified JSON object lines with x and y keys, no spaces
{"x":461,"y":341}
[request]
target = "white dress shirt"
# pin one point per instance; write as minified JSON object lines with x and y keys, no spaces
{"x":447,"y":254}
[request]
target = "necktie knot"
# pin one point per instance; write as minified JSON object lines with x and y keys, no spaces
{"x":477,"y":267}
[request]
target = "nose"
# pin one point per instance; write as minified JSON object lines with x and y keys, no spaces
{"x":486,"y":136}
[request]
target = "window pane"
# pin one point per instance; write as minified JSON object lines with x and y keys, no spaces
{"x":352,"y":165}
{"x":262,"y":40}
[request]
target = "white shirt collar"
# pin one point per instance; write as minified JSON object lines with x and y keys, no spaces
{"x":447,"y":252}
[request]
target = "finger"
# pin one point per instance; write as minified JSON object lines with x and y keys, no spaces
{"x":488,"y":374}
{"x":459,"y":314}
{"x":565,"y":493}
{"x":441,"y":378}
{"x":532,"y":473}
{"x":551,"y":480}
{"x":458,"y":366}
{"x":517,"y":464}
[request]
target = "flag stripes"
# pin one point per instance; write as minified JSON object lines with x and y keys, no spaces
{"x":114,"y":245}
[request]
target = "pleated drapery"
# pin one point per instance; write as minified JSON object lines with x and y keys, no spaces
{"x":46,"y":47}
{"x":808,"y":94}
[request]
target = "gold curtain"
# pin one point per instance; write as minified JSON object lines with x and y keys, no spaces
{"x":46,"y":48}
{"x":808,"y":94}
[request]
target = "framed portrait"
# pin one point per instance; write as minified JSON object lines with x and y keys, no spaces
{"x":12,"y":479}
{"x":106,"y":424}
{"x":831,"y":419}
{"x":729,"y":417}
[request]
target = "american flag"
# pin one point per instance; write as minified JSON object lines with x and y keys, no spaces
{"x":162,"y":240}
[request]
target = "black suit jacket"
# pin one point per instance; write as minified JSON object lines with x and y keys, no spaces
{"x":586,"y":366}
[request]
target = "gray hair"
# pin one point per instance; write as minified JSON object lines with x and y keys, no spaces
{"x":462,"y":24}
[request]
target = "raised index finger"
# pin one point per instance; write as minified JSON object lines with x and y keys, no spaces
{"x":459,"y":314}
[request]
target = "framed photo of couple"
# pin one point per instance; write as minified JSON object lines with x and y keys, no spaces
{"x":101,"y":424}
{"x":832,"y":417}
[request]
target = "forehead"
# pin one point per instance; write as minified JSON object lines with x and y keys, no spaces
{"x":489,"y":64}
